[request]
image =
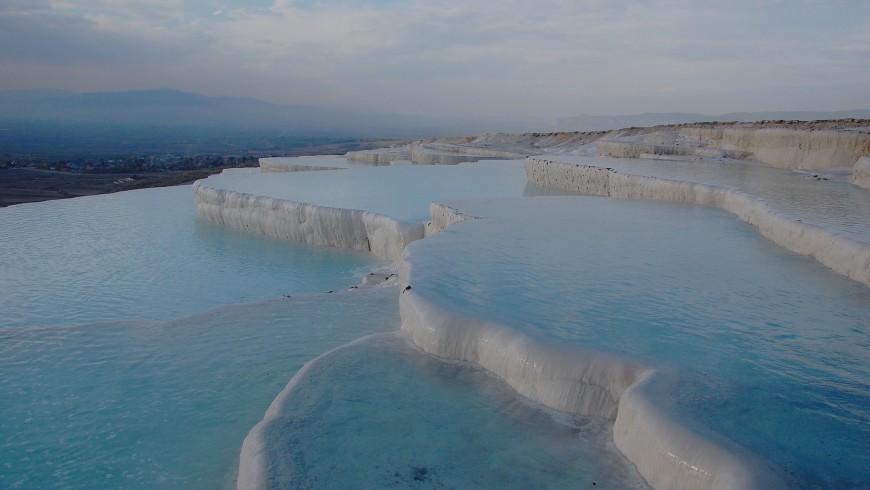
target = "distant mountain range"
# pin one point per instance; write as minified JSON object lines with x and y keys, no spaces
{"x":588,"y":122}
{"x":165,"y":107}
{"x":173,"y":108}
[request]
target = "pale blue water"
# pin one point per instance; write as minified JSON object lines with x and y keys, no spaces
{"x":145,"y":255}
{"x":106,"y":382}
{"x":139,"y":344}
{"x":766,"y":347}
{"x":150,"y":404}
{"x":120,"y":388}
{"x":402,"y":192}
{"x":382,"y":414}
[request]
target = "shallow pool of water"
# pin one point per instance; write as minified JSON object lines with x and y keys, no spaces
{"x":402,"y":192}
{"x":382,"y":414}
{"x":148,"y":404}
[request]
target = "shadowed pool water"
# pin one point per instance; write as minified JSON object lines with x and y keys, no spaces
{"x":770,"y":348}
{"x":381,"y":414}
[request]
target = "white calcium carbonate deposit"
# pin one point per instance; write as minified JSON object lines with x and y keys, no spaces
{"x":382,"y":235}
{"x":667,"y":454}
{"x":844,"y":255}
{"x":861,"y":173}
{"x":788,"y":148}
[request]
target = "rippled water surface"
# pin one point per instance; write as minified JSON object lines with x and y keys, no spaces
{"x":147,"y":404}
{"x":769,"y":348}
{"x":145,"y":255}
{"x":106,"y":381}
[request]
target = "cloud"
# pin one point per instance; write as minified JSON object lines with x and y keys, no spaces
{"x":555,"y":57}
{"x":84,"y":41}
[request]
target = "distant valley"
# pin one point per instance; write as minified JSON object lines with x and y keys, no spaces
{"x":56,"y":123}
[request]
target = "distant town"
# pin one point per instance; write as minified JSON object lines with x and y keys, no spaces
{"x":35,"y":177}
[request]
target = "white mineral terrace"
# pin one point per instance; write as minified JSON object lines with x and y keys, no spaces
{"x":302,"y":164}
{"x":788,"y":148}
{"x":665,"y":453}
{"x":432,"y":154}
{"x":825,"y":220}
{"x":861,"y":173}
{"x":376,"y":209}
{"x":362,"y":209}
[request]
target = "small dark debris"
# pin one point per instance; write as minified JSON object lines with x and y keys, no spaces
{"x":420,"y":473}
{"x":407,"y":288}
{"x":330,"y":291}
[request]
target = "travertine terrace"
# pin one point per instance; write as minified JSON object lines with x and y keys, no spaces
{"x":666,"y":453}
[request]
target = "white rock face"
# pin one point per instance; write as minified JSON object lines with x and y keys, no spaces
{"x":844,"y":255}
{"x":384,"y":236}
{"x":789,"y":148}
{"x":379,"y":157}
{"x":432,"y":154}
{"x":585,"y":384}
{"x":624,"y":149}
{"x":301,"y":164}
{"x":425,"y":156}
{"x":670,"y":456}
{"x":471,"y":150}
{"x":256,"y":453}
{"x":444,"y":216}
{"x":277,"y":167}
{"x":861,"y":173}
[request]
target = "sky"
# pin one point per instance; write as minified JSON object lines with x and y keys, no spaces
{"x":486,"y":58}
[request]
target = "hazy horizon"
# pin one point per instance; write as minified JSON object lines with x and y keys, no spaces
{"x":538,"y":60}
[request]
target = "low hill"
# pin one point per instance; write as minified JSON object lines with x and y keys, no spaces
{"x":587,"y":122}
